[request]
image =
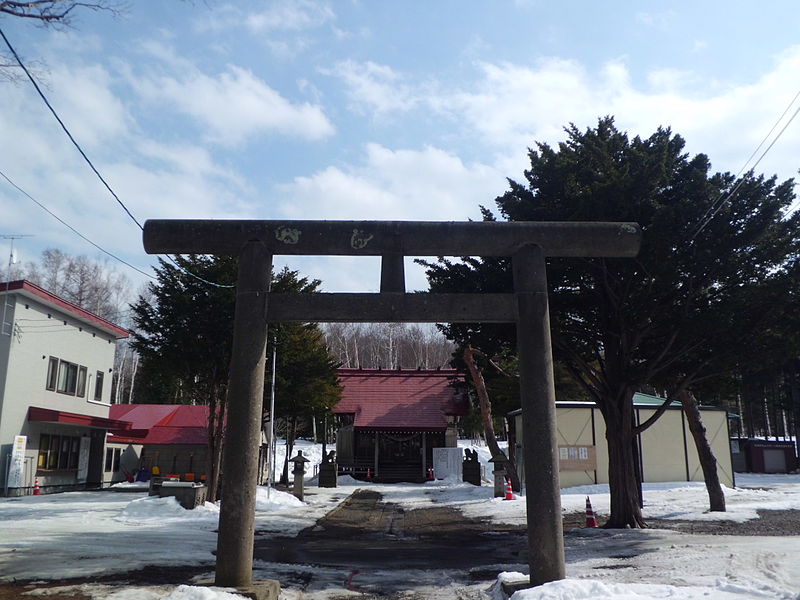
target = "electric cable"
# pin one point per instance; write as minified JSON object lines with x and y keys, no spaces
{"x":89,"y":162}
{"x":64,"y":127}
{"x":71,"y":228}
{"x":723,"y":199}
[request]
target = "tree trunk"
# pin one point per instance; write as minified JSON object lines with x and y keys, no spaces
{"x":626,"y":511}
{"x":486,"y":418}
{"x":708,"y":461}
{"x":216,"y":419}
{"x":794,"y":390}
{"x":134,"y":367}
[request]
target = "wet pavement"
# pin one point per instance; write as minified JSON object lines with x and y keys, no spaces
{"x":365,"y":536}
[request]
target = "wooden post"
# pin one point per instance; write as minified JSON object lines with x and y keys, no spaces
{"x":424,"y":457}
{"x":393,"y":273}
{"x":537,"y":392}
{"x":245,"y":395}
{"x":375,"y":473}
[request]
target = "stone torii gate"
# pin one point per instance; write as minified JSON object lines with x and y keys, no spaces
{"x":256,"y":242}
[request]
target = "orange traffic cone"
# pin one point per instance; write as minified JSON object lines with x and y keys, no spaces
{"x":591,"y":517}
{"x":36,"y":490}
{"x":509,"y":491}
{"x":369,"y":474}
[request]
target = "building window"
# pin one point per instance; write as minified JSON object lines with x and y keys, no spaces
{"x":113,"y":457}
{"x":58,"y":452}
{"x":52,"y":373}
{"x":74,"y":452}
{"x":65,"y":377}
{"x":81,"y":381}
{"x":44,"y":449}
{"x":98,"y":386}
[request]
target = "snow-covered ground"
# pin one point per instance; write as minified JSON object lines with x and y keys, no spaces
{"x":81,"y":534}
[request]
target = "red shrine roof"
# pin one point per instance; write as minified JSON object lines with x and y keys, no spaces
{"x":409,"y":400}
{"x":161,"y":424}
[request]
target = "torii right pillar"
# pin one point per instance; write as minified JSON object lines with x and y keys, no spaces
{"x":537,"y":392}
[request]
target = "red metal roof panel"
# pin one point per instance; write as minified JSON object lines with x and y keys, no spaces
{"x":48,"y":415}
{"x":400,"y":399}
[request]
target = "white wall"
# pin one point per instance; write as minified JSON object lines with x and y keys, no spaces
{"x":39,"y":333}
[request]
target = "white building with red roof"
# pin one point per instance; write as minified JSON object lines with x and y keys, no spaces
{"x":390,"y":420}
{"x":56,"y":364}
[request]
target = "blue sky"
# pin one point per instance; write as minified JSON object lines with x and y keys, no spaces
{"x":366,"y":110}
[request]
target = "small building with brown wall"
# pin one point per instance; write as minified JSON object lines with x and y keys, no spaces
{"x":754,"y":455}
{"x":390,"y":421}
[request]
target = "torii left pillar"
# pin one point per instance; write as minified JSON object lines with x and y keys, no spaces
{"x":245,"y":395}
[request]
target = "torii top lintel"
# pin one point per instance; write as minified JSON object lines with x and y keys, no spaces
{"x":380,"y":238}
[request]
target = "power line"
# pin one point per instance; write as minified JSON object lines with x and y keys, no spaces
{"x":71,"y":228}
{"x":64,"y":127}
{"x":188,"y":272}
{"x":720,"y":202}
{"x":96,"y":172}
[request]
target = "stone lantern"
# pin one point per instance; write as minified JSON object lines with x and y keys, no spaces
{"x":499,"y":473}
{"x":298,"y":471}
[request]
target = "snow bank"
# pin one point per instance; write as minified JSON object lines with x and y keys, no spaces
{"x":583,"y":589}
{"x":161,"y":510}
{"x":274,"y":500}
{"x":189,"y":592}
{"x":130,"y":486}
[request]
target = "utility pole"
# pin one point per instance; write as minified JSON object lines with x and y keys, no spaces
{"x":271,"y":454}
{"x":11,"y":260}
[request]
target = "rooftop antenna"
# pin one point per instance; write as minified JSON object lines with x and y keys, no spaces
{"x":11,"y":260}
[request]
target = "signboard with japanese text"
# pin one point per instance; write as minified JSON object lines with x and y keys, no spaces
{"x":16,"y":467}
{"x":577,"y":458}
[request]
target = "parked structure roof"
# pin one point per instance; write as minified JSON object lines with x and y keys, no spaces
{"x":401,"y":400}
{"x":161,"y":424}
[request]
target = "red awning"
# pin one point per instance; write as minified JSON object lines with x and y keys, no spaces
{"x":47,"y":415}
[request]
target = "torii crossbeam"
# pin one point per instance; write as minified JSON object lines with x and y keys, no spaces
{"x":256,"y":242}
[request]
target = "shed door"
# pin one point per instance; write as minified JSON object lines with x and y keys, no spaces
{"x":774,"y":460}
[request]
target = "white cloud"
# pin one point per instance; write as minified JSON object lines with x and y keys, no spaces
{"x":293,"y":15}
{"x":660,"y":20}
{"x":153,"y":178}
{"x":416,"y":185}
{"x":234,"y":106}
{"x":279,"y":16}
{"x":511,"y":106}
{"x":427,"y":184}
{"x":372,"y":87}
{"x":83,"y":98}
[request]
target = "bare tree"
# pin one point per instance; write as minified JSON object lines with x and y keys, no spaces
{"x":388,"y":345}
{"x":57,"y":13}
{"x":93,"y":285}
{"x":48,"y":13}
